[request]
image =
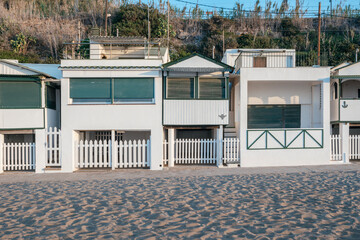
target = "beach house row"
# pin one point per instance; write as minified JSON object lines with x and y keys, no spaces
{"x":121,"y":103}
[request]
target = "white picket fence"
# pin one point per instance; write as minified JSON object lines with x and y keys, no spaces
{"x":53,"y":147}
{"x":132,"y":154}
{"x":94,"y":154}
{"x":231,"y":150}
{"x":354,"y":147}
{"x":127,"y":154}
{"x":19,"y":156}
{"x":195,"y":151}
{"x":336,"y":148}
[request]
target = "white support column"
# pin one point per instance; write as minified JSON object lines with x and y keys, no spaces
{"x":171,"y":146}
{"x":113,"y":150}
{"x":156,"y":144}
{"x":40,"y":150}
{"x":345,"y":135}
{"x":1,"y":153}
{"x":243,"y":116}
{"x":219,"y":146}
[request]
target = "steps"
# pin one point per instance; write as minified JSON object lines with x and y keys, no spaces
{"x":230,"y":132}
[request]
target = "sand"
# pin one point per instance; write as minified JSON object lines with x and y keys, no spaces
{"x":187,"y":203}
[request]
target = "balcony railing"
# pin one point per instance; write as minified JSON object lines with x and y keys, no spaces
{"x":258,"y":139}
{"x":278,"y":59}
{"x":99,"y":50}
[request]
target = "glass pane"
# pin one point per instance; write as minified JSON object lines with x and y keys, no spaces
{"x":182,"y":88}
{"x":90,"y":88}
{"x":20,"y":94}
{"x":50,"y":97}
{"x":133,"y":88}
{"x":212,"y":88}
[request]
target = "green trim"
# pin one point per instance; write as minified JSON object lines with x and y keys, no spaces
{"x":335,"y":122}
{"x":21,"y":78}
{"x":196,"y":87}
{"x":350,"y":99}
{"x":13,"y":129}
{"x":302,"y":132}
{"x":345,"y":76}
{"x":225,"y":66}
{"x":339,"y":97}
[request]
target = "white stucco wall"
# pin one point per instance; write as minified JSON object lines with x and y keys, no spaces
{"x":21,"y":118}
{"x":140,"y":117}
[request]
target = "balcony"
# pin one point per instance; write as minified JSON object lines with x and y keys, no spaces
{"x":349,"y":110}
{"x":196,"y":112}
{"x":276,"y":58}
{"x":103,"y":47}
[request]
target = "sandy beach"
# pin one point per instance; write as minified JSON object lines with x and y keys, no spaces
{"x":321,"y":202}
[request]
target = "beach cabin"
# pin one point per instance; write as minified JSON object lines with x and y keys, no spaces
{"x":345,"y":108}
{"x":29,"y":105}
{"x":112,"y":104}
{"x":281,"y":111}
{"x":195,"y":108}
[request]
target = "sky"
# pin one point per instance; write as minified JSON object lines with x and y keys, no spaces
{"x":249,"y":4}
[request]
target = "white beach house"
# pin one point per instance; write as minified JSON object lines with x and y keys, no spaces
{"x":345,"y":108}
{"x":195,"y":109}
{"x":112,"y":104}
{"x":281,"y":111}
{"x":29,"y":104}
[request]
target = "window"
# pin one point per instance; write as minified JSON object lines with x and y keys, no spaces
{"x":112,"y":90}
{"x":274,"y":116}
{"x":20,"y":94}
{"x":181,"y":88}
{"x":133,"y":90}
{"x":50,"y":97}
{"x":212,"y":88}
{"x":259,"y":62}
{"x":358,"y":93}
{"x":93,"y":90}
{"x":335,"y":91}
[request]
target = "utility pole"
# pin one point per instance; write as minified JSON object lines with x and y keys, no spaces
{"x":213,"y":52}
{"x":106,"y":16}
{"x":149,"y":33}
{"x":168,"y":24}
{"x":319,"y":33}
{"x":223,"y":38}
{"x":331,"y":8}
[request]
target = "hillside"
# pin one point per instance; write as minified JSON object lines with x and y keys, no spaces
{"x":35,"y":30}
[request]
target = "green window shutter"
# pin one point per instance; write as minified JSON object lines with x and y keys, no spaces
{"x":90,"y":88}
{"x":212,"y":88}
{"x":274,"y":116}
{"x":50,"y":97}
{"x":20,"y":95}
{"x":292,"y":116}
{"x":133,"y":88}
{"x":264,"y":116}
{"x":182,"y":88}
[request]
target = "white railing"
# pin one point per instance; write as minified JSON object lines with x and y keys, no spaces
{"x":354,"y":147}
{"x":132,"y":154}
{"x":94,"y":154}
{"x":165,"y":153}
{"x":336,"y":148}
{"x":195,"y":151}
{"x":53,"y":147}
{"x":19,"y":156}
{"x":231,"y":150}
